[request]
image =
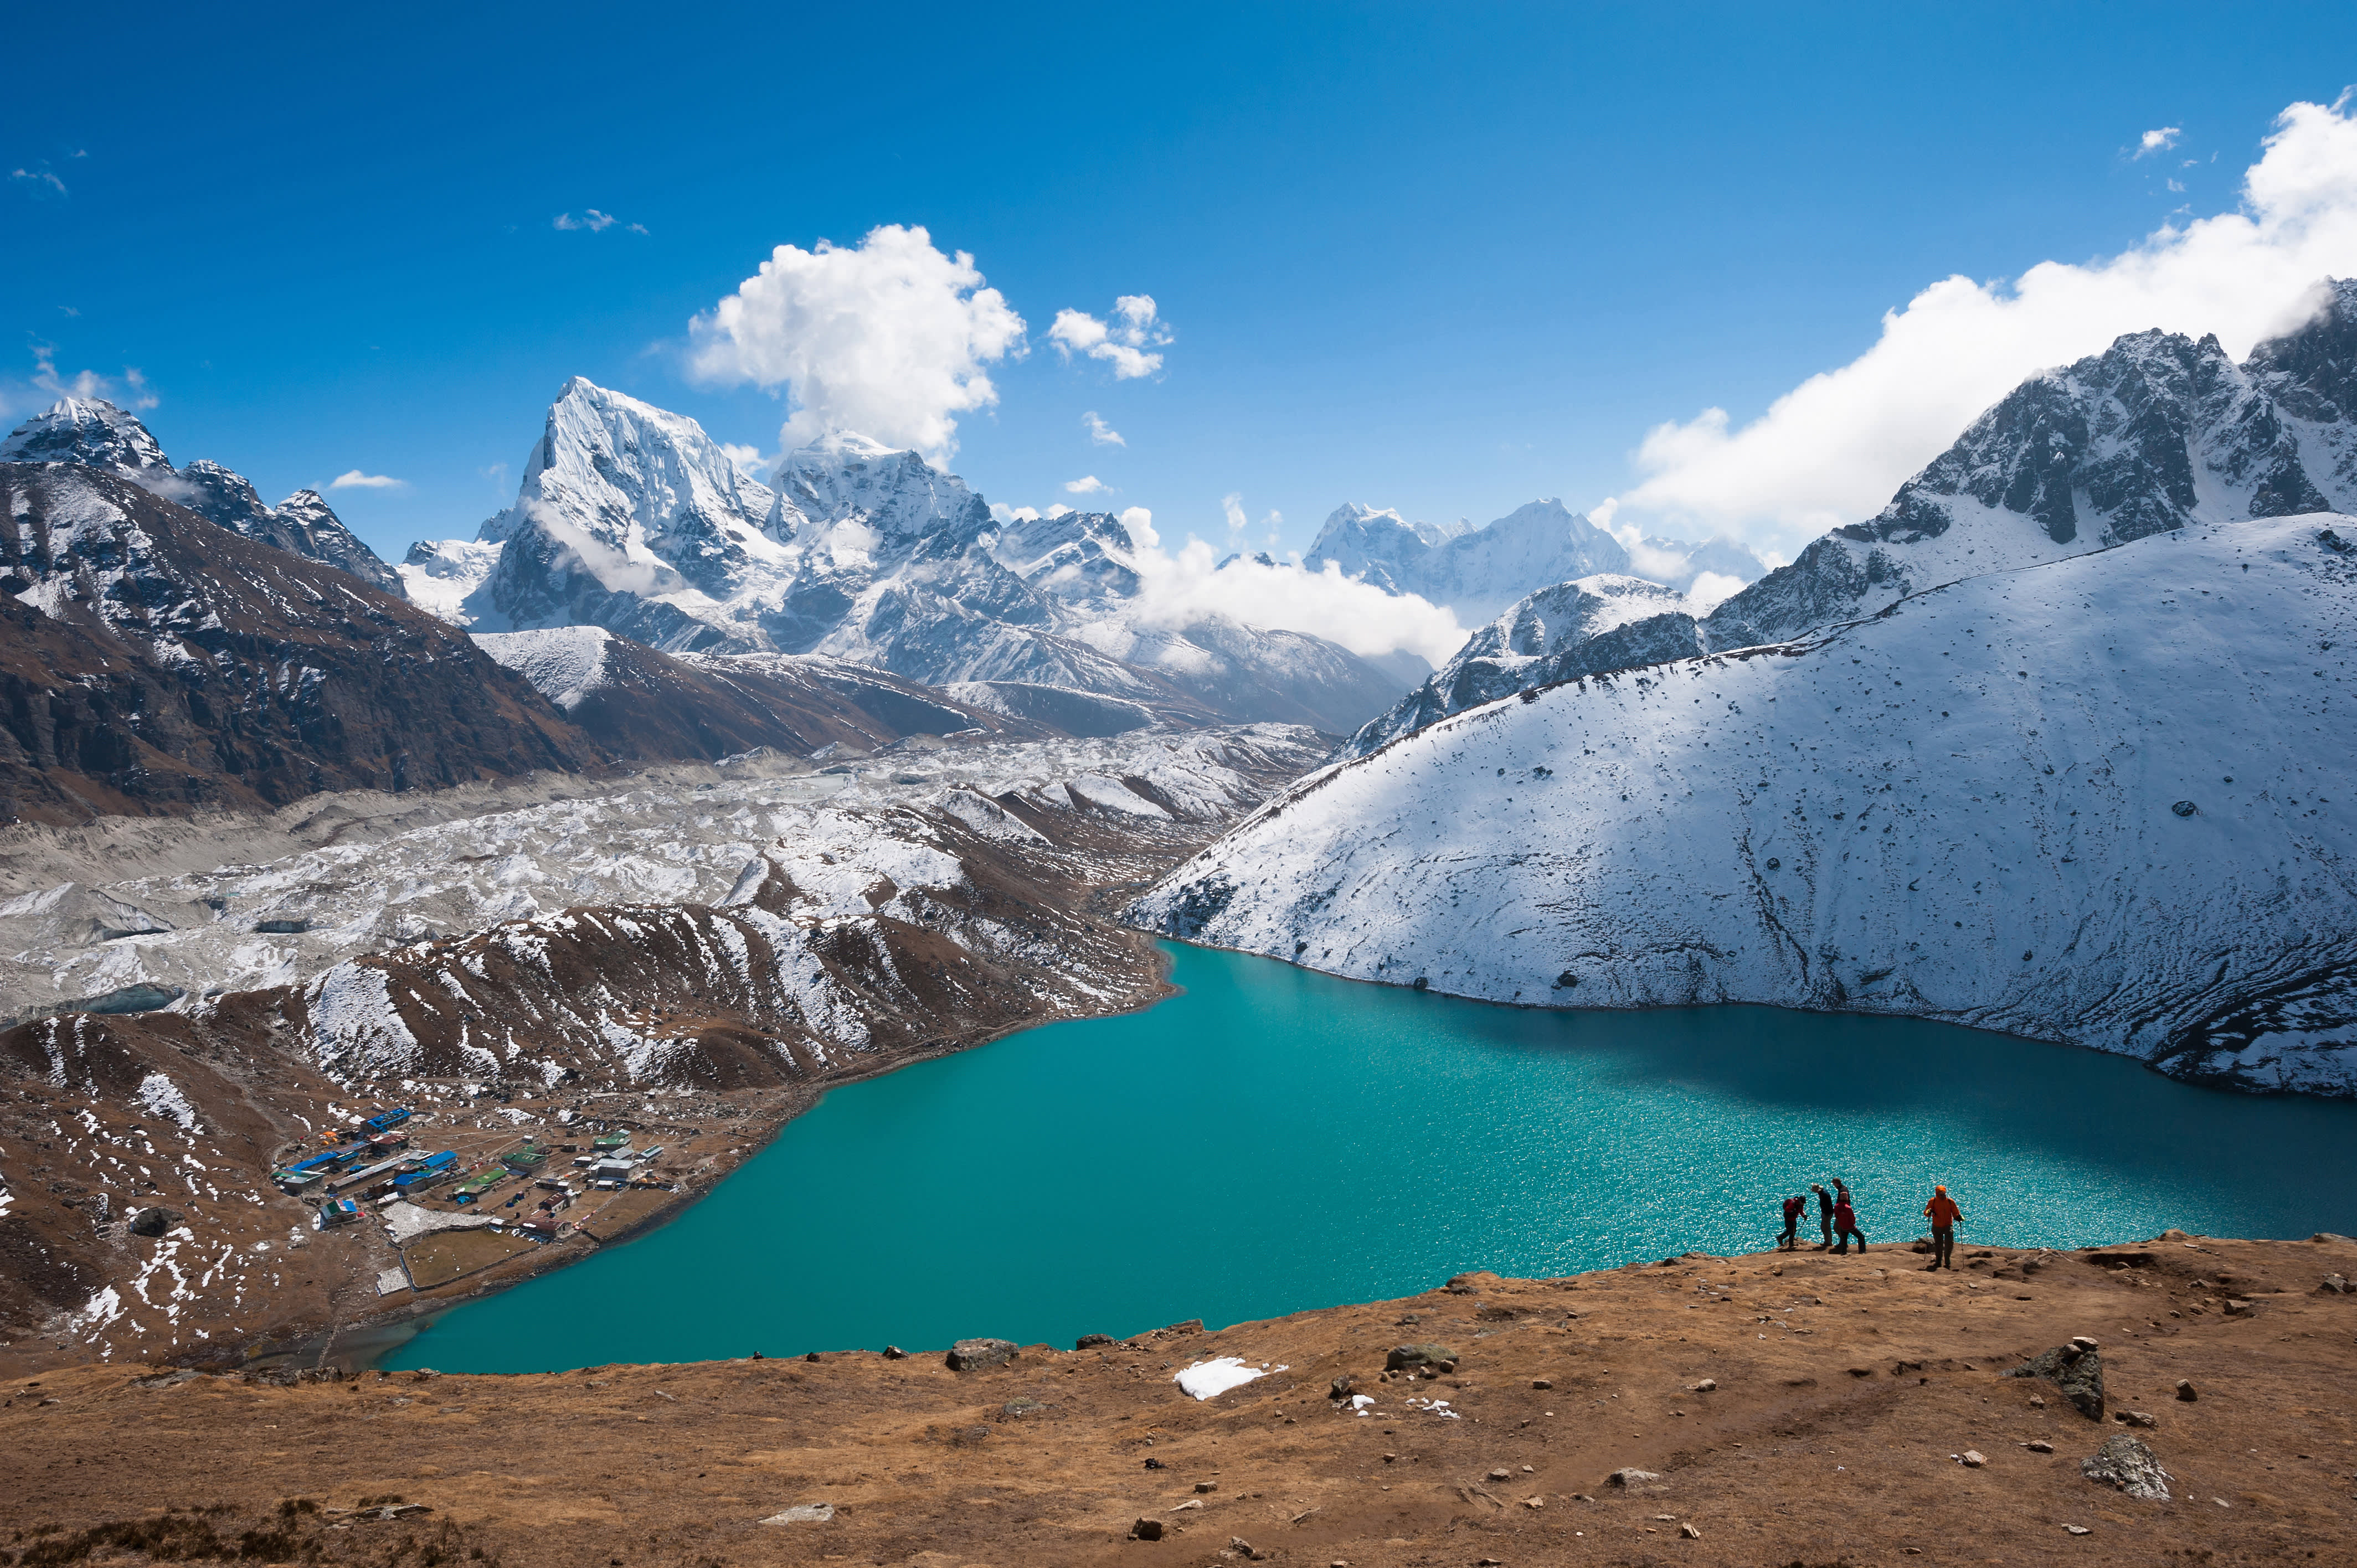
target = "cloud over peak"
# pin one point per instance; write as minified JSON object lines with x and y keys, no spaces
{"x":353,"y":480}
{"x":1127,"y":342}
{"x":890,"y":338}
{"x":1833,"y":449}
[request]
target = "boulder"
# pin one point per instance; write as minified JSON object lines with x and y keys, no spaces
{"x":1629,"y":1476}
{"x":1342,"y":1388}
{"x":2078,"y":1373}
{"x":1412,"y":1358}
{"x":2334,"y":1285}
{"x":803,"y":1513}
{"x":2125,"y":1464}
{"x":155,"y":1221}
{"x":974,"y":1354}
{"x":1147,"y":1529}
{"x":1092,"y":1342}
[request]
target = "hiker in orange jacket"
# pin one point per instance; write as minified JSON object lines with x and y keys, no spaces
{"x":1846,"y":1225}
{"x":1943,"y":1214}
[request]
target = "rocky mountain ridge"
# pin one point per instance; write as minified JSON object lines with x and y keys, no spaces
{"x":633,"y":518}
{"x":94,"y":432}
{"x":155,"y":661}
{"x":2158,"y":433}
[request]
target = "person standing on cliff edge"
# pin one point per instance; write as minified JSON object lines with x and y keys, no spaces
{"x":1825,"y":1215}
{"x":1846,"y":1224}
{"x":1943,"y":1214}
{"x":1791,"y":1239}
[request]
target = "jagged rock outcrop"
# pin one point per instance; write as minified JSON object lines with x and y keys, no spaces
{"x":94,"y":433}
{"x":1584,"y":627}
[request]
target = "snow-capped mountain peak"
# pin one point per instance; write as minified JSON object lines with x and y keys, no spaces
{"x":95,"y":434}
{"x":632,"y":518}
{"x":89,"y":431}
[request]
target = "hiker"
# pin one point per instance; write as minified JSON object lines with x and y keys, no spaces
{"x":1794,"y":1209}
{"x":1824,"y":1214}
{"x":1846,"y":1224}
{"x":1943,"y":1214}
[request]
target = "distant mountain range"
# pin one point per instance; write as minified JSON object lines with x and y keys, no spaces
{"x":2156,"y":433}
{"x":633,"y":518}
{"x":1479,"y":572}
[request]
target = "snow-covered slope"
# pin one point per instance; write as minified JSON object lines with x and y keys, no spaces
{"x":633,"y":518}
{"x":2101,"y":800}
{"x":97,"y":434}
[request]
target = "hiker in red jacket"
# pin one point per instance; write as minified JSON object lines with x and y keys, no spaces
{"x":1943,"y":1214}
{"x":1846,"y":1224}
{"x":1791,"y":1239}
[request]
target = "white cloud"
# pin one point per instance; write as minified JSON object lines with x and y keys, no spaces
{"x":1101,"y":432}
{"x":1086,"y":485}
{"x":890,"y":337}
{"x":47,"y":384}
{"x":596,"y":222}
{"x":353,"y":480}
{"x":748,"y":459}
{"x":1125,"y":343}
{"x":1833,"y":449}
{"x":1177,"y":589}
{"x":1232,"y":507}
{"x":2158,"y":141}
{"x":39,"y":181}
{"x":1709,"y":590}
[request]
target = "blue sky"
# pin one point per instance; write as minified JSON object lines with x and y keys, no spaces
{"x":1446,"y":259}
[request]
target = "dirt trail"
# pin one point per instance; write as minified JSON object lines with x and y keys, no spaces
{"x":1848,"y":1392}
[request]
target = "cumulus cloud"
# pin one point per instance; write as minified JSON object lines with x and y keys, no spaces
{"x":1833,"y":448}
{"x":596,"y":222}
{"x":1101,"y":432}
{"x":1086,"y":485}
{"x":353,"y":480}
{"x":2158,"y":141}
{"x":890,"y":337}
{"x":747,"y":460}
{"x":1179,"y":588}
{"x":1126,"y":342}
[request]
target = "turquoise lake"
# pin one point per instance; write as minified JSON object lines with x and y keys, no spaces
{"x":1275,"y":1139}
